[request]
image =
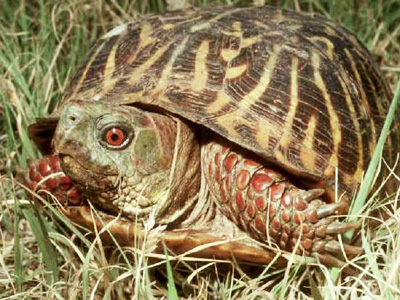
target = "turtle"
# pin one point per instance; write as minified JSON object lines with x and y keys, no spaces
{"x":246,"y":128}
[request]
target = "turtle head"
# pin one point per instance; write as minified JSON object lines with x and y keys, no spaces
{"x":123,"y":159}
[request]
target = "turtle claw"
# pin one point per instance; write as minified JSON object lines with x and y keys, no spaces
{"x":340,"y":227}
{"x":335,"y":247}
{"x":332,"y":261}
{"x":309,"y":195}
{"x":328,"y":260}
{"x":332,"y":209}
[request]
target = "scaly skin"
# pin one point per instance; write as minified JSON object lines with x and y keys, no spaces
{"x":158,"y":172}
{"x":269,"y":206}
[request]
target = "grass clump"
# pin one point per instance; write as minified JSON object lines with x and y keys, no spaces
{"x":41,"y":43}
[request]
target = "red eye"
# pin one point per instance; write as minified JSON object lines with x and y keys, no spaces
{"x":115,"y":137}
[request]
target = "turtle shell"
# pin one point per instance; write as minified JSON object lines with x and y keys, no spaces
{"x":299,"y":91}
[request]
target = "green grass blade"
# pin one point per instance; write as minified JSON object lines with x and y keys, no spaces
{"x":46,"y":247}
{"x":172,"y":292}
{"x":18,"y":250}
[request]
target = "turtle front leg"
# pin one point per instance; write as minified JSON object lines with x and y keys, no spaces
{"x":46,"y":175}
{"x":272,"y":209}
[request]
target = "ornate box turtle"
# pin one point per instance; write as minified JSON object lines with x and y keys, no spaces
{"x":250,"y":127}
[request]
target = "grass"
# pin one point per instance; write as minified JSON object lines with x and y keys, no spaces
{"x":41,"y":43}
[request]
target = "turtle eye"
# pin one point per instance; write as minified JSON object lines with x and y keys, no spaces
{"x":115,"y":138}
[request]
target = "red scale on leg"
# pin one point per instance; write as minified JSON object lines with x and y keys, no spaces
{"x":299,"y":204}
{"x":217,"y":158}
{"x":228,"y":184}
{"x":61,"y":197}
{"x":276,"y":191}
{"x":32,"y":174}
{"x":73,"y":196}
{"x":37,"y":177}
{"x":285,"y":216}
{"x":305,"y":228}
{"x":54,"y":163}
{"x":230,"y":162}
{"x":261,"y":203}
{"x":287,"y":199}
{"x":32,"y":185}
{"x":260,"y":182}
{"x":310,"y":235}
{"x":243,"y":179}
{"x":223,"y":190}
{"x":271,"y":211}
{"x":299,"y":218}
{"x":218,"y":176}
{"x":273,"y":233}
{"x":250,"y":194}
{"x":250,"y":163}
{"x":287,"y":229}
{"x":307,"y":244}
{"x":276,"y":224}
{"x":311,"y":216}
{"x":260,"y":225}
{"x":50,"y":184}
{"x":284,"y":240}
{"x":64,"y":183}
{"x":224,"y":149}
{"x":320,"y":232}
{"x":44,"y":169}
{"x":251,"y":211}
{"x":240,"y":202}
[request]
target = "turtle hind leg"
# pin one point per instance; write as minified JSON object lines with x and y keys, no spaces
{"x":270,"y":208}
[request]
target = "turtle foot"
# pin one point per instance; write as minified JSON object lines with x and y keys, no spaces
{"x":45,"y":176}
{"x":317,"y":232}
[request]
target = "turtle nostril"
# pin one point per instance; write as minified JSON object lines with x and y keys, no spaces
{"x":73,"y":118}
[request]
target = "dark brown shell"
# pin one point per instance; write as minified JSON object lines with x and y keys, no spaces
{"x":299,"y":91}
